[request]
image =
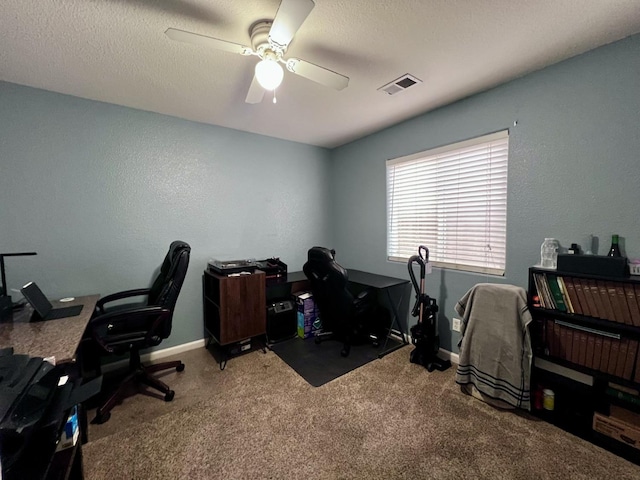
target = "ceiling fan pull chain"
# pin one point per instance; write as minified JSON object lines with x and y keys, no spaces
{"x":274,"y":96}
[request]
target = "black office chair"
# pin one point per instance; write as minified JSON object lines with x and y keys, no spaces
{"x":344,"y":317}
{"x":129,"y":329}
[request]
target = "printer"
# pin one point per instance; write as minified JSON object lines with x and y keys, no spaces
{"x":35,"y":398}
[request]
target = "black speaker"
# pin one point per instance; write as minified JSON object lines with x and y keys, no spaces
{"x":614,"y":267}
{"x":281,"y":320}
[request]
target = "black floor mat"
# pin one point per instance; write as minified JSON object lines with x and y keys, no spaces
{"x":321,"y":363}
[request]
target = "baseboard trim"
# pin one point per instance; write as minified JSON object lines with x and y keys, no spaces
{"x":447,"y":355}
{"x":156,"y":355}
{"x":444,"y":354}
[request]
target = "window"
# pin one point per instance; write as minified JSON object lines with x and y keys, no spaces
{"x":453,"y":200}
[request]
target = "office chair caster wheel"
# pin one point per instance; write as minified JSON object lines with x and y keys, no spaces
{"x":102,"y":417}
{"x":180,"y":368}
{"x":169,"y":396}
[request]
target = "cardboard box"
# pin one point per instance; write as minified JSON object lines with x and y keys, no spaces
{"x":621,"y":424}
{"x":306,"y":311}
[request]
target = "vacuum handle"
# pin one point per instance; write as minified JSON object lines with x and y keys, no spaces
{"x":416,"y":259}
{"x":417,"y":287}
{"x":423,"y":252}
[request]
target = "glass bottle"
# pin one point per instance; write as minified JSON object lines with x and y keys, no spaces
{"x":549,"y":253}
{"x":614,"y":251}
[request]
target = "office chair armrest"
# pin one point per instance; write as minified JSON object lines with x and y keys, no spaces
{"x":120,"y":316}
{"x":151,"y":317}
{"x":119,"y":296}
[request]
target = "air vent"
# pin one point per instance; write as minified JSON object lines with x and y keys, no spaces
{"x":400,"y":84}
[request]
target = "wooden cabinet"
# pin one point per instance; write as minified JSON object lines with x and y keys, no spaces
{"x":234,"y":306}
{"x":586,"y":343}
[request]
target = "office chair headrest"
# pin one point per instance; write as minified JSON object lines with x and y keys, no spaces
{"x":321,"y":254}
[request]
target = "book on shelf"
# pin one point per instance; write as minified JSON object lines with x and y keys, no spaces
{"x":622,"y":301}
{"x":614,"y":391}
{"x":572,"y":294}
{"x":582,"y":355}
{"x":558,"y":299}
{"x":606,"y":301}
{"x":636,"y":288}
{"x":613,"y":357}
{"x":615,"y":304}
{"x":548,"y":336}
{"x":556,"y":339}
{"x":622,"y":357}
{"x":588,"y":295}
{"x":591,"y":346}
{"x":597,"y":352}
{"x":606,"y":354}
{"x":623,"y":388}
{"x":584,"y":305}
{"x":632,"y":303}
{"x":595,"y":293}
{"x":536,"y":282}
{"x":569,"y":352}
{"x":575,"y":351}
{"x":543,"y":292}
{"x":631,"y":358}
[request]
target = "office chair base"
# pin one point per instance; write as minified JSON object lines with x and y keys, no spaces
{"x":140,"y":374}
{"x":321,"y":336}
{"x":101,"y":418}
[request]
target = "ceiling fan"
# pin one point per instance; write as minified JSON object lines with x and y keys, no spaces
{"x":269,"y":41}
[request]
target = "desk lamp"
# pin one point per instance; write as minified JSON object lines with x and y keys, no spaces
{"x":6,"y":306}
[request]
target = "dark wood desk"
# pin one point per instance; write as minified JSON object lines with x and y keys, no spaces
{"x":58,"y":338}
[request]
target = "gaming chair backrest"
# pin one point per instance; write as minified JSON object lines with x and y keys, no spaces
{"x":166,"y":288}
{"x":329,"y":281}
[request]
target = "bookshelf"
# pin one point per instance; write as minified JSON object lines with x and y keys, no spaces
{"x":586,"y":343}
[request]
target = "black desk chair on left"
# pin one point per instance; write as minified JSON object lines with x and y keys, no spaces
{"x":127,"y":329}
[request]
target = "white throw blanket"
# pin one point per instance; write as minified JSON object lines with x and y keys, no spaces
{"x":495,"y":349}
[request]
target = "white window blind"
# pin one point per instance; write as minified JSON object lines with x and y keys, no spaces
{"x":453,"y":200}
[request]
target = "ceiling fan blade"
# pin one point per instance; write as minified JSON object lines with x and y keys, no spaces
{"x":255,"y":93}
{"x":291,"y":14}
{"x":317,"y":74}
{"x":203,"y":40}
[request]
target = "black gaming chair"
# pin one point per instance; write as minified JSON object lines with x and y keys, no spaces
{"x":344,"y":317}
{"x":129,"y":329}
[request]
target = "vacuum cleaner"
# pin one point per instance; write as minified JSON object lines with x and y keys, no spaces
{"x":424,"y":334}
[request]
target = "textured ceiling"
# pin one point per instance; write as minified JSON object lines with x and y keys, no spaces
{"x":116,"y":51}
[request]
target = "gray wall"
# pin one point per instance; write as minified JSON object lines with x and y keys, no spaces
{"x":574,"y":161}
{"x":99,"y":191}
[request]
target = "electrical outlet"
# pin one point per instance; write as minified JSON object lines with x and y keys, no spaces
{"x":456,"y":324}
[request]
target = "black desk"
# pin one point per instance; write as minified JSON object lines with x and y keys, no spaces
{"x":381,"y":283}
{"x":385,"y":284}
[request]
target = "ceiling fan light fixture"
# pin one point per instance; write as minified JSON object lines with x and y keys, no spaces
{"x":269,"y":74}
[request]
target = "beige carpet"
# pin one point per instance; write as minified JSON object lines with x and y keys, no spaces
{"x":388,"y":419}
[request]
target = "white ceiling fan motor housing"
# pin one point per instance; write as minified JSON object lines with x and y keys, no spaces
{"x":259,"y":32}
